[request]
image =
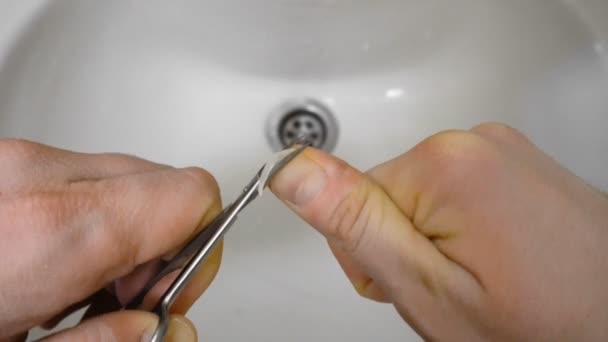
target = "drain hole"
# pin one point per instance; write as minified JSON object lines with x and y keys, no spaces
{"x":299,"y":123}
{"x":305,"y":118}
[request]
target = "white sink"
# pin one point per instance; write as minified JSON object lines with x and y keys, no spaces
{"x":192,"y":82}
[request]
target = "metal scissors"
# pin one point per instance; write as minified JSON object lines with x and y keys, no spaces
{"x":194,"y":253}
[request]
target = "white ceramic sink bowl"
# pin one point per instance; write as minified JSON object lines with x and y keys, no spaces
{"x":192,"y":83}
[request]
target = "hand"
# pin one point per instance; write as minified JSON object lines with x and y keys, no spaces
{"x":76,"y":229}
{"x":472,"y":235}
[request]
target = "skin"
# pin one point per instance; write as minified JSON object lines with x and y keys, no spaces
{"x":82,"y":229}
{"x":472,"y":236}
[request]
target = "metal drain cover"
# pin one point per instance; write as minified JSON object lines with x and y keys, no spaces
{"x":302,"y":118}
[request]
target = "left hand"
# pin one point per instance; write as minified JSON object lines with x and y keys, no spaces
{"x":82,"y":229}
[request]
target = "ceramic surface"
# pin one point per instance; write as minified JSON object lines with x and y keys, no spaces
{"x":193,"y":82}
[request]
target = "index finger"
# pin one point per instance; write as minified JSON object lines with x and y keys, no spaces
{"x":96,"y":231}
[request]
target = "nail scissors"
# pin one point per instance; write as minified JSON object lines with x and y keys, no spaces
{"x":191,"y":257}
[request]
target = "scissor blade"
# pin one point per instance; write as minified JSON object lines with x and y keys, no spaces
{"x":285,"y":160}
{"x":179,"y":260}
{"x":270,"y":169}
{"x":253,"y":189}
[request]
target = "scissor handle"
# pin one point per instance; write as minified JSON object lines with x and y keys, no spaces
{"x":193,"y":254}
{"x":180,"y":259}
{"x":206,"y":241}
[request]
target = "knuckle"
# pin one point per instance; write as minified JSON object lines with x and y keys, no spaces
{"x":117,"y":158}
{"x":500,"y":131}
{"x":446,"y":145}
{"x":493,"y":127}
{"x":201,"y":177}
{"x":128,"y":163}
{"x":97,"y":332}
{"x":202,"y":181}
{"x":17,"y":145}
{"x":19,"y":153}
{"x":456,"y":154}
{"x":202,"y":193}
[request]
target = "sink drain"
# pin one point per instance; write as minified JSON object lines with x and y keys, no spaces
{"x":302,"y":118}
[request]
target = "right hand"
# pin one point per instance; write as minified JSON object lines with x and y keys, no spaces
{"x":472,"y":235}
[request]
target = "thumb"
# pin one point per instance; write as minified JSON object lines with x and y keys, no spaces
{"x":358,"y":217}
{"x":126,"y":326}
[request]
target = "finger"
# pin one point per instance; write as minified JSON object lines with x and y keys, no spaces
{"x":128,"y":287}
{"x":31,"y":165}
{"x":99,"y":231}
{"x":118,"y":326}
{"x":100,"y":296}
{"x":126,"y":326}
{"x":125,"y":288}
{"x":358,"y":217}
{"x":200,"y":282}
{"x":364,"y":285}
{"x":185,"y":198}
{"x":19,"y":338}
{"x":501,"y":134}
{"x":422,"y":179}
{"x":101,"y":303}
{"x":84,"y":166}
{"x":181,"y":329}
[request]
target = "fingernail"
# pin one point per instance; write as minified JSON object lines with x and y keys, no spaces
{"x":151,"y":328}
{"x":203,"y":279}
{"x":147,"y":335}
{"x":300,"y":181}
{"x":180,"y":330}
{"x":359,"y":287}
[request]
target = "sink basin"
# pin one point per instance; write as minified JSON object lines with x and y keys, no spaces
{"x":193,"y":82}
